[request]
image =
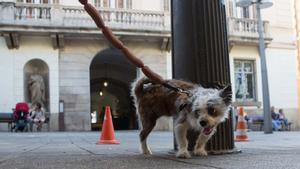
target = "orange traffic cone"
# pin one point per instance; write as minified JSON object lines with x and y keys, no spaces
{"x":241,"y":129}
{"x":108,"y":133}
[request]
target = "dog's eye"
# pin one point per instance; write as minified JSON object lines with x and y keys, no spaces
{"x":197,"y":113}
{"x":211,"y":111}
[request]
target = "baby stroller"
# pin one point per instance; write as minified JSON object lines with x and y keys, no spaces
{"x":20,"y":117}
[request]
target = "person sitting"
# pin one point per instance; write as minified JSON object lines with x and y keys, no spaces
{"x":276,"y":123}
{"x":30,"y":120}
{"x":38,"y":116}
{"x":282,"y":118}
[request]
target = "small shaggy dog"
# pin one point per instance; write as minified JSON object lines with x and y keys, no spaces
{"x":202,"y":110}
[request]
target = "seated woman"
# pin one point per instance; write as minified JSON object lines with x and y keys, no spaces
{"x":282,"y":118}
{"x":38,"y":116}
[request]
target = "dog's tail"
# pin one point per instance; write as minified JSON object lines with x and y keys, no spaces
{"x":138,"y":86}
{"x":137,"y":90}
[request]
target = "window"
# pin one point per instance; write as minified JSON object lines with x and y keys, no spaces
{"x":120,"y":4}
{"x":129,"y":4}
{"x":113,"y":3}
{"x":39,"y":1}
{"x":45,"y":1}
{"x":97,"y":3}
{"x":245,"y":12}
{"x":105,"y":3}
{"x":102,"y":3}
{"x":244,"y":75}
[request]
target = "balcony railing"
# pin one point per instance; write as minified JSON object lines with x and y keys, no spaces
{"x":118,"y":18}
{"x":246,"y":29}
{"x":44,"y":15}
{"x":32,"y":12}
{"x":75,"y":18}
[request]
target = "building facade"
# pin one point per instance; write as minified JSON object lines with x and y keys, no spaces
{"x":281,"y":56}
{"x":82,"y":72}
{"x":59,"y":41}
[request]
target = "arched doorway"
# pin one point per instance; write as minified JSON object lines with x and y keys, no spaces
{"x":36,"y":83}
{"x":111,"y":76}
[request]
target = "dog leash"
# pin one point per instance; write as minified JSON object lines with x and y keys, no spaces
{"x":92,"y":11}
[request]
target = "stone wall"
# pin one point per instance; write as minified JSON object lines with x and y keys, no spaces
{"x":12,"y":72}
{"x":74,"y":76}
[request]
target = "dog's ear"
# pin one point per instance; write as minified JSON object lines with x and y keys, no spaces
{"x":226,"y":94}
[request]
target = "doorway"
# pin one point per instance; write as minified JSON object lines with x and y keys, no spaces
{"x":111,"y":76}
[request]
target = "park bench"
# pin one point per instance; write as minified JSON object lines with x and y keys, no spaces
{"x":7,"y":118}
{"x":258,"y":124}
{"x":288,"y":127}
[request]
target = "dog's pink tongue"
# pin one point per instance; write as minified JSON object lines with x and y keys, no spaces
{"x":207,"y":131}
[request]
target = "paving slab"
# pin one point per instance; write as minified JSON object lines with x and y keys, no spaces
{"x":77,"y":150}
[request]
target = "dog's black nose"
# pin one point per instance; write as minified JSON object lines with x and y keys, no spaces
{"x":203,"y":123}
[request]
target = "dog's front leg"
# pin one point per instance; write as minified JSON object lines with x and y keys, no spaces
{"x":180,"y":134}
{"x":199,"y":149}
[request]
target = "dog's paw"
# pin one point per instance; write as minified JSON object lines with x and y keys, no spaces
{"x":183,"y":154}
{"x":200,"y":152}
{"x":147,"y":151}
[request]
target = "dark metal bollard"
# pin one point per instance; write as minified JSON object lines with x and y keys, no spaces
{"x":200,"y":55}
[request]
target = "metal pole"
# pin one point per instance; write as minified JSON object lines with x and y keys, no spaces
{"x":200,"y":55}
{"x":264,"y":74}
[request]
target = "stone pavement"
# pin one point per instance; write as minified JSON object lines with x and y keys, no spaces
{"x":69,"y":150}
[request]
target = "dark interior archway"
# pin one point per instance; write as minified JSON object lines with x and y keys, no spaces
{"x":111,"y":76}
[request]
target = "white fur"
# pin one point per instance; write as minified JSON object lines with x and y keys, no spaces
{"x":145,"y":149}
{"x":203,"y":96}
{"x":180,"y":134}
{"x":200,"y":100}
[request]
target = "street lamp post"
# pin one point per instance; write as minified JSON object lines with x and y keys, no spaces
{"x":260,"y":4}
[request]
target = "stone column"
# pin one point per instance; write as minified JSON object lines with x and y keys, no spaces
{"x":57,"y":15}
{"x":200,"y":55}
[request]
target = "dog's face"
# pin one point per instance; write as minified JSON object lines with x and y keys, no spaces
{"x":209,"y":107}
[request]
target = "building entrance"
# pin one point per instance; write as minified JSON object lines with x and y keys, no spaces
{"x":111,"y":76}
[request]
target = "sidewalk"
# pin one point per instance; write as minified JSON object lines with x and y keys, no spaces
{"x":78,"y":151}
